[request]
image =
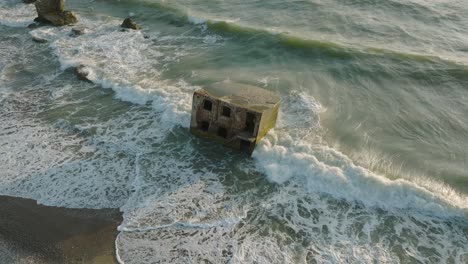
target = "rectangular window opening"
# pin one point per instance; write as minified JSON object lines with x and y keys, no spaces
{"x":207,"y":105}
{"x":226,"y":111}
{"x":250,"y":123}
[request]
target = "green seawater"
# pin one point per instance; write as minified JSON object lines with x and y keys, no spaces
{"x":368,"y":162}
{"x":391,"y":76}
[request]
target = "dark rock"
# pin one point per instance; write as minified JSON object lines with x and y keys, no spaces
{"x":39,"y":40}
{"x":78,"y":31}
{"x":69,"y":17}
{"x":40,"y":20}
{"x":29,"y":1}
{"x":33,"y":26}
{"x":49,"y":7}
{"x":61,"y":19}
{"x":52,"y":11}
{"x":128,"y":23}
{"x":82,"y":73}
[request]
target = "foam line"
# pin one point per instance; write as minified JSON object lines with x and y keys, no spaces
{"x":124,"y":62}
{"x":15,"y":13}
{"x":282,"y":156}
{"x":323,"y":169}
{"x":294,"y":40}
{"x":228,"y":222}
{"x":117,"y":253}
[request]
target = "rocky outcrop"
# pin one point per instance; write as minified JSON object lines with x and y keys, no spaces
{"x":82,"y":73}
{"x":128,"y":23}
{"x":45,"y":7}
{"x":52,"y":11}
{"x":39,"y":40}
{"x":33,"y":25}
{"x":78,"y":31}
{"x":29,"y":1}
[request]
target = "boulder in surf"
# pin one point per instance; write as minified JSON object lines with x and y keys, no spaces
{"x":82,"y":72}
{"x":128,"y":23}
{"x":78,"y":31}
{"x":39,"y":40}
{"x":52,"y":11}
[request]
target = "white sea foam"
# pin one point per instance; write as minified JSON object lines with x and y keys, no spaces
{"x":42,"y":163}
{"x":299,"y":115}
{"x":16,"y":14}
{"x":288,"y":154}
{"x":322,"y":169}
{"x":130,"y":65}
{"x":86,"y":165}
{"x":346,"y":232}
{"x":289,"y":228}
{"x":196,"y":20}
{"x":192,"y":208}
{"x":127,"y":63}
{"x":175,"y":206}
{"x":183,"y":207}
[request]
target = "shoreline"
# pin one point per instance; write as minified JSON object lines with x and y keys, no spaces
{"x":34,"y":233}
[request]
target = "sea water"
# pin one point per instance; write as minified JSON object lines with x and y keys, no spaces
{"x":368,"y":162}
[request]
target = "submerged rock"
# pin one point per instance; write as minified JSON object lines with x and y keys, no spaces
{"x":39,"y":40}
{"x":52,"y":11}
{"x":82,"y":73}
{"x":128,"y":23}
{"x":78,"y":31}
{"x":33,"y":25}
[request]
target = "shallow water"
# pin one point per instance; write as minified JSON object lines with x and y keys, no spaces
{"x":367,"y":163}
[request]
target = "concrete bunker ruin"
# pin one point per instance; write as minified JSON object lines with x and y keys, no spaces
{"x":236,"y":115}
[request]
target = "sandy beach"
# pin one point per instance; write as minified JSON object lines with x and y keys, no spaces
{"x":32,"y":233}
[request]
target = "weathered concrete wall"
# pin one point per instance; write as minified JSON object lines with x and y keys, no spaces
{"x":214,"y":117}
{"x":235,"y":124}
{"x":268,"y":121}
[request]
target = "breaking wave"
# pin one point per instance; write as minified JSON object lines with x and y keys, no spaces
{"x":184,"y":200}
{"x":284,"y":156}
{"x":130,"y":65}
{"x":292,"y":41}
{"x":16,"y":14}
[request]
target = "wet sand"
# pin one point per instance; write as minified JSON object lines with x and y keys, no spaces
{"x":32,"y":233}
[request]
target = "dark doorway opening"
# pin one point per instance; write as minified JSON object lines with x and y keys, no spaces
{"x":207,"y":105}
{"x":222,"y":132}
{"x":245,"y":146}
{"x":250,"y":123}
{"x":204,"y":126}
